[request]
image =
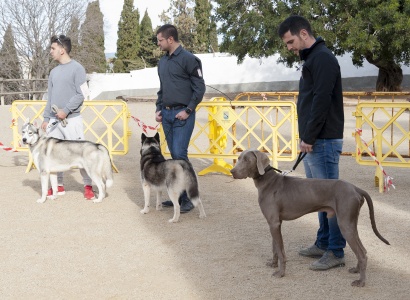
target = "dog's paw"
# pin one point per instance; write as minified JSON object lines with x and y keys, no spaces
{"x":52,"y":197}
{"x":173,"y":220}
{"x":41,"y":200}
{"x":358,"y":283}
{"x":278,"y":274}
{"x":272,"y":264}
{"x":159,"y":207}
{"x":97,"y":200}
{"x":202,"y":216}
{"x":145,"y":210}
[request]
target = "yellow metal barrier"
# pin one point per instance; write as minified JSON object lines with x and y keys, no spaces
{"x":267,"y":96}
{"x":348,"y":96}
{"x":216,"y":132}
{"x":105,"y":122}
{"x":386,"y":129}
{"x":224,"y":129}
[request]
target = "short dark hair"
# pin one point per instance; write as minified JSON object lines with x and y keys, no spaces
{"x":63,"y":40}
{"x":168,"y":30}
{"x":294,"y":24}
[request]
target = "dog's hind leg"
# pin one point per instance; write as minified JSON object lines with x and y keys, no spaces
{"x":174,"y":196}
{"x":147,"y":189}
{"x":198,"y":203}
{"x":159,"y":202}
{"x":193,"y":195}
{"x":350,"y":233}
{"x":101,"y":190}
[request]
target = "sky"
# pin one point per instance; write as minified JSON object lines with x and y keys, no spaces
{"x":111,"y":9}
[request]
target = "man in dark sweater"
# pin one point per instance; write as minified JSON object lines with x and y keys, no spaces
{"x":321,"y":122}
{"x":182,"y":88}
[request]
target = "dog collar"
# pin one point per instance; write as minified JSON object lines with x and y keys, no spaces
{"x":268,"y":168}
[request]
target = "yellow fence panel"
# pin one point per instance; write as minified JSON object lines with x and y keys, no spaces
{"x":224,"y":129}
{"x":105,"y":122}
{"x":385,"y":128}
{"x":348,"y":96}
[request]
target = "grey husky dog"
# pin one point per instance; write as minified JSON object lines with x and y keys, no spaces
{"x":177,"y":175}
{"x":53,"y":155}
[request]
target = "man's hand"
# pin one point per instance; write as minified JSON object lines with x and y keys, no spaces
{"x":44,"y":125}
{"x":182,"y":115}
{"x":305,"y":147}
{"x":158,"y":116}
{"x":61,"y":114}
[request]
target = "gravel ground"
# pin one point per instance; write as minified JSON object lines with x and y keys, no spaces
{"x":74,"y":249}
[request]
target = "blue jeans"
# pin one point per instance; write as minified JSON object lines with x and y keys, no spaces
{"x":177,"y":132}
{"x":323,"y":162}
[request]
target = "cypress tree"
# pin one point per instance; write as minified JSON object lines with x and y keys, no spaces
{"x":128,"y":43}
{"x":202,"y":14}
{"x":92,"y":55}
{"x":74,"y":34}
{"x":213,"y":36}
{"x":148,"y":46}
{"x":9,"y":65}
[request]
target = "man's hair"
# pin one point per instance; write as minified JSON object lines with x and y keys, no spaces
{"x":63,"y":41}
{"x":168,"y":30}
{"x":294,"y":24}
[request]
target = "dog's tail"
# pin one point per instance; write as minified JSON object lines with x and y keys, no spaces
{"x":371,"y":211}
{"x":108,"y":175}
{"x":107,"y":168}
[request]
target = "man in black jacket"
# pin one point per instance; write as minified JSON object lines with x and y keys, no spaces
{"x":321,"y":122}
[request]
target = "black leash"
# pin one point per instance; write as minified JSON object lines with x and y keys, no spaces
{"x":300,"y":158}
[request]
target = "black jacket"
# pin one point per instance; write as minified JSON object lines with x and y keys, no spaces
{"x":320,"y":101}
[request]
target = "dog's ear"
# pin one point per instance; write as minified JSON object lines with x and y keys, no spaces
{"x":261,"y":160}
{"x":143,"y":137}
{"x":27,"y":121}
{"x":156,"y":136}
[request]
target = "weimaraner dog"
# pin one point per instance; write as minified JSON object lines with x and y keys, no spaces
{"x":288,"y":198}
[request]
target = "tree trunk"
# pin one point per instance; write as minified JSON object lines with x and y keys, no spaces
{"x":390,"y":74}
{"x":389,"y":78}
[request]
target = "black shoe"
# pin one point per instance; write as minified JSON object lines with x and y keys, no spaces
{"x":186,"y":206}
{"x":167,"y":203}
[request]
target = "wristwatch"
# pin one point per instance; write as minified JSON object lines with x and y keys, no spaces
{"x":188,"y":110}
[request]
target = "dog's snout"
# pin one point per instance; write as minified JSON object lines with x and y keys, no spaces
{"x":24,"y":140}
{"x":234,"y":173}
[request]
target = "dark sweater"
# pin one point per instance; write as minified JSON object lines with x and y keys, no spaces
{"x":181,"y":82}
{"x":320,"y":101}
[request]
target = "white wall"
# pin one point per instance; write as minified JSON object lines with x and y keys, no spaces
{"x":219,"y":68}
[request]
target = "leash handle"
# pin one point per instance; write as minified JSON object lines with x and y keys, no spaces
{"x":54,"y":108}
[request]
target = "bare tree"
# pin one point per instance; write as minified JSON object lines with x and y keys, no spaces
{"x":33,"y":23}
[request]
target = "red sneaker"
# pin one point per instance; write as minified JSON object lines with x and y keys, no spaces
{"x":60,"y":191}
{"x":88,"y":192}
